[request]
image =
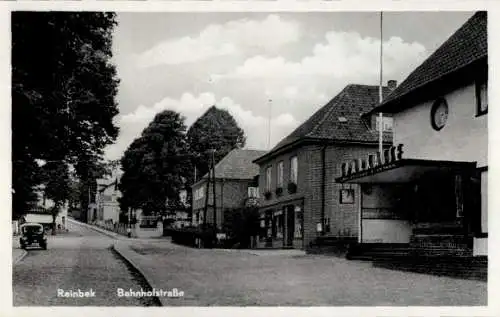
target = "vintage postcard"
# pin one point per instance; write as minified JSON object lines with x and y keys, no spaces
{"x":258,"y":158}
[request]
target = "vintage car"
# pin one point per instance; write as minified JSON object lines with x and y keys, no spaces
{"x":32,"y":234}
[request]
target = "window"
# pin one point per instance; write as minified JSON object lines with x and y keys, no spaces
{"x":293,"y":169}
{"x":280,"y":174}
{"x":386,"y":123}
{"x":481,"y":98}
{"x":253,"y":192}
{"x":268,"y":178}
{"x":347,"y":196}
{"x":199,"y":193}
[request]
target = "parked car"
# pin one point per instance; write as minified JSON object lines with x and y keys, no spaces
{"x":32,"y":234}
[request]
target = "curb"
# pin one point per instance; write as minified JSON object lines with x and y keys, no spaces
{"x":150,"y":281}
{"x":19,"y":257}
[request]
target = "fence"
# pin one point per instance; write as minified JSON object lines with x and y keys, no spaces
{"x":137,"y":231}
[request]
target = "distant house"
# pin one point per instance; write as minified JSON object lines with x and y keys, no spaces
{"x":300,"y":199}
{"x":41,"y":211}
{"x":178,"y":213}
{"x":107,"y":207}
{"x":235,"y":184}
{"x":433,"y":196}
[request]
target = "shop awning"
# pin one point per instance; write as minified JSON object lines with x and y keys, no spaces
{"x":404,"y":171}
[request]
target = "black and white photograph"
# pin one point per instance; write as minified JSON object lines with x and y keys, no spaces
{"x":249,"y":158}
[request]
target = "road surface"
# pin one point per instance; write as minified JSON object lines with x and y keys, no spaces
{"x":78,"y":262}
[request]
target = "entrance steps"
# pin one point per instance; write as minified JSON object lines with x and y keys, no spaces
{"x":404,"y":258}
{"x":371,"y":251}
{"x":475,"y":268}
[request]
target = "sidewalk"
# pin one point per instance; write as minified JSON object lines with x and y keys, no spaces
{"x":112,"y":234}
{"x":149,"y":269}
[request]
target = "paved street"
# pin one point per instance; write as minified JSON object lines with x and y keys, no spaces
{"x":80,"y":259}
{"x":220,"y":277}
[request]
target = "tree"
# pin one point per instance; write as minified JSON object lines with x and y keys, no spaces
{"x":63,"y":96}
{"x":57,"y":187}
{"x":154,"y":164}
{"x":242,"y":224}
{"x":216,"y":129}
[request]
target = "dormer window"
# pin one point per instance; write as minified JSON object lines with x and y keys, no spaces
{"x":387,"y":123}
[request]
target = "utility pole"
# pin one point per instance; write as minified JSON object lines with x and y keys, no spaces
{"x":213,"y":189}
{"x":270,"y":104}
{"x":381,"y":96}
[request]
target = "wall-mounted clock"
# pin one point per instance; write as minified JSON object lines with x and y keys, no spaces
{"x":439,"y":114}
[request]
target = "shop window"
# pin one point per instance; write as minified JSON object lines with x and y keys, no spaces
{"x":278,"y":224}
{"x":481,"y":98}
{"x":266,"y":225}
{"x":299,"y":222}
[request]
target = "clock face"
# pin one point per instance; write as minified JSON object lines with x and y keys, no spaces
{"x":439,"y":114}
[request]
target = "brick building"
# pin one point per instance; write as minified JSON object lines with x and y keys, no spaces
{"x":235,"y":184}
{"x":300,"y":200}
{"x":433,"y":197}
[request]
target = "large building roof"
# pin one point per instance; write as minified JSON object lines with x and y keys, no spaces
{"x":237,"y":164}
{"x":467,"y":45}
{"x":340,"y":119}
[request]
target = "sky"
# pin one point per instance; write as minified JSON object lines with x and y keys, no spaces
{"x":260,"y":66}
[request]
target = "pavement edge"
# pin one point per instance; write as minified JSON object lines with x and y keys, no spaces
{"x":20,"y":257}
{"x":123,"y":251}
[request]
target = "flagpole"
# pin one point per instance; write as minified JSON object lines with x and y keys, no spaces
{"x":270,"y":104}
{"x":380,"y":116}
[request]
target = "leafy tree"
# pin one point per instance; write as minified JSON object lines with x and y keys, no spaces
{"x":154,"y":164}
{"x":216,"y":129}
{"x":63,"y":94}
{"x":242,"y":224}
{"x":57,"y":187}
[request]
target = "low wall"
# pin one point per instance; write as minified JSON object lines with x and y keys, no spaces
{"x":149,"y":232}
{"x":385,"y":231}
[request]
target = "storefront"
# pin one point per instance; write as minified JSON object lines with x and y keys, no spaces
{"x":432,"y":206}
{"x":282,"y":226}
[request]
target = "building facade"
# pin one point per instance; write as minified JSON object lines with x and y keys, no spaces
{"x":433,"y":194}
{"x":107,"y":207}
{"x":300,"y":199}
{"x":234,"y":186}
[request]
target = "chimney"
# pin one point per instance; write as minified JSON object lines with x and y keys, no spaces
{"x":392,"y":84}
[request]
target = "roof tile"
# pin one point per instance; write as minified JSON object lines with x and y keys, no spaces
{"x":468,"y":44}
{"x":237,"y":164}
{"x":351,"y":103}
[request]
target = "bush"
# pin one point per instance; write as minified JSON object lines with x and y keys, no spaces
{"x":189,"y":236}
{"x":241,"y":225}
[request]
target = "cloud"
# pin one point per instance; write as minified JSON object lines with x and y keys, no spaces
{"x":342,"y":55}
{"x":191,"y":107}
{"x":216,"y":40}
